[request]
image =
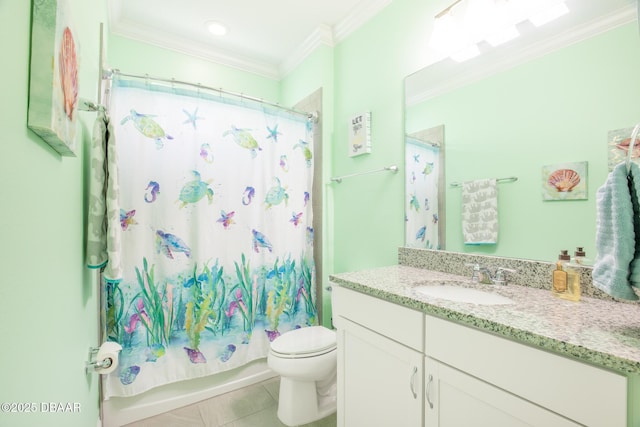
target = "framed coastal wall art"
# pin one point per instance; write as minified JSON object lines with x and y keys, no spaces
{"x":564,"y":181}
{"x":53,"y":79}
{"x":618,"y":146}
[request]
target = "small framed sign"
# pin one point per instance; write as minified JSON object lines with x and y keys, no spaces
{"x":360,"y":134}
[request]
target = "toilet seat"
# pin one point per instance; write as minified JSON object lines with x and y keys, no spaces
{"x":304,"y":342}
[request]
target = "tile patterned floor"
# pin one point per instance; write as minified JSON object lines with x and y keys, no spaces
{"x":253,"y":406}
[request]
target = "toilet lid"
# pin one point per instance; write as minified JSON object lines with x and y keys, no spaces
{"x":313,"y":339}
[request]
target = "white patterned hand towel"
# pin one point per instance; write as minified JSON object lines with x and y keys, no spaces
{"x":96,"y":225}
{"x":480,"y":212}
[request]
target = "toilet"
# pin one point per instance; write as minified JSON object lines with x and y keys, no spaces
{"x":306,"y":361}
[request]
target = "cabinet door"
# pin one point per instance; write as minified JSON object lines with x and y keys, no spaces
{"x":454,"y":399}
{"x":379,"y":380}
{"x":586,"y":394}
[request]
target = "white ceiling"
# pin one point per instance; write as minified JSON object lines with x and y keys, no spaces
{"x":265,"y":37}
{"x":271,"y":37}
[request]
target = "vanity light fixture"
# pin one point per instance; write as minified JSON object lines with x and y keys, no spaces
{"x":549,"y":14}
{"x":216,"y":28}
{"x":459,"y":28}
{"x":468,"y":52}
{"x":448,"y":36}
{"x":502,"y":36}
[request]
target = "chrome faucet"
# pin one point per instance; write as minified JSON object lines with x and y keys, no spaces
{"x":483,"y":275}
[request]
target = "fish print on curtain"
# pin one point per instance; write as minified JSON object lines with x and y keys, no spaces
{"x":217,"y":237}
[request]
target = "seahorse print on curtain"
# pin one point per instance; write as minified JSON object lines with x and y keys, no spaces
{"x":217,"y":237}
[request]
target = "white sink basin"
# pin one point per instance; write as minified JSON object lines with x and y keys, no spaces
{"x":461,"y":294}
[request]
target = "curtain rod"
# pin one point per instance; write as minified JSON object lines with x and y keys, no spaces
{"x":508,"y":179}
{"x":109,"y":73}
{"x":392,"y":168}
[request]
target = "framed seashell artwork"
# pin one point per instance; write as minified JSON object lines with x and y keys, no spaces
{"x":618,"y":144}
{"x":53,"y":80}
{"x":565,"y":181}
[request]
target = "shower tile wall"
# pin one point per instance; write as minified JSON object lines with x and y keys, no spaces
{"x":253,"y":406}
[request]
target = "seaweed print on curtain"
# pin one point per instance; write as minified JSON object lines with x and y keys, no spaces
{"x":217,"y":242}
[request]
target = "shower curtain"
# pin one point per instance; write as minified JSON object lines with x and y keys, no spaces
{"x":216,"y":233}
{"x":422,"y":198}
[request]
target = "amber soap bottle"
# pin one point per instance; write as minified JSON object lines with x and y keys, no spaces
{"x":566,"y":278}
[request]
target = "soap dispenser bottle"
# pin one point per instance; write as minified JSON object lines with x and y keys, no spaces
{"x":580,"y":257}
{"x":566,"y":278}
{"x":559,"y":284}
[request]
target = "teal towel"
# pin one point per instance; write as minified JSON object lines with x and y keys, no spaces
{"x":634,"y":188}
{"x":615,"y":236}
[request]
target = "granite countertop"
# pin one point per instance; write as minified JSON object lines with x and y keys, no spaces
{"x":596,"y":331}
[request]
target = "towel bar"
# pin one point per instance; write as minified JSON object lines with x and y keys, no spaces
{"x":508,"y":179}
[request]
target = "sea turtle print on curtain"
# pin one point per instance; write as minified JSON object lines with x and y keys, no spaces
{"x":217,"y":237}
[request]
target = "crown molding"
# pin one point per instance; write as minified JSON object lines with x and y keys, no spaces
{"x":181,"y":45}
{"x":323,"y":35}
{"x":330,"y":36}
{"x":360,"y":15}
{"x":447,"y":75}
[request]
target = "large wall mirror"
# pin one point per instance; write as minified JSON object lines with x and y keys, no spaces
{"x":552,"y":100}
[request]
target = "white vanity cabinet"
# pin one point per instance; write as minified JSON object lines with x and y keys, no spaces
{"x":476,"y":378}
{"x":380,"y":361}
{"x":401,"y":367}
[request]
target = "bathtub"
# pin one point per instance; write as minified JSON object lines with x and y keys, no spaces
{"x":118,"y":411}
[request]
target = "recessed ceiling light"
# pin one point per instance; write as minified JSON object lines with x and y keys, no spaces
{"x":216,"y":28}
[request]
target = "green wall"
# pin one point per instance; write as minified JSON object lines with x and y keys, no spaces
{"x":555,"y":109}
{"x":48,"y":299}
{"x":368,"y":216}
{"x":47,"y":296}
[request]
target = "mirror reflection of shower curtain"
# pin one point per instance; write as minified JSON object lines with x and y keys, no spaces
{"x":424,"y":195}
{"x":217,"y":237}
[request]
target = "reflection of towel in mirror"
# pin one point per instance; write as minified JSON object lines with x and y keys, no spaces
{"x":616,"y":236}
{"x":634,"y":188}
{"x":480,"y":212}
